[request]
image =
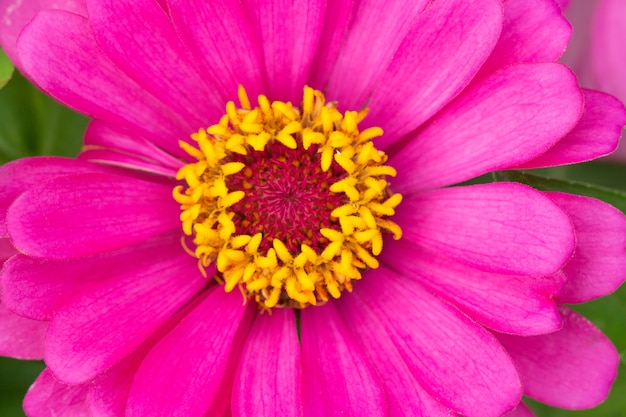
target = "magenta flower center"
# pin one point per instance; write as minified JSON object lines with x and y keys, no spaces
{"x":288,"y":203}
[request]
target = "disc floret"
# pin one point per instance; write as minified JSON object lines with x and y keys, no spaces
{"x":288,"y":203}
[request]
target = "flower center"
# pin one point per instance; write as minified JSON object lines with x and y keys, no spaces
{"x":288,"y":203}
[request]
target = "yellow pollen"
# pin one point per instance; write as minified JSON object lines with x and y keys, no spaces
{"x":333,"y":218}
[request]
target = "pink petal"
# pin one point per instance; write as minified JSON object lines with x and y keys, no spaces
{"x":196,"y":355}
{"x":58,"y":45}
{"x":505,"y":228}
{"x":18,"y":176}
{"x":599,"y":264}
{"x":608,"y":55}
{"x":100,"y":135}
{"x":405,"y":396}
{"x":16,"y":14}
{"x":268,"y":381}
{"x":222,"y":38}
{"x":572,"y":368}
{"x":48,"y":397}
{"x":337,"y":380}
{"x":336,"y":22}
{"x":445,"y":48}
{"x":533,"y":31}
{"x":522,"y":410}
{"x":37,"y":288}
{"x":6,"y":250}
{"x":596,"y":134}
{"x":504,"y":120}
{"x":122,"y":160}
{"x":451,"y":356}
{"x":138,"y":36}
{"x":505,"y":303}
{"x":116,"y":316}
{"x":368,"y":47}
{"x":19,"y":337}
{"x":86,"y":214}
{"x":289,"y":32}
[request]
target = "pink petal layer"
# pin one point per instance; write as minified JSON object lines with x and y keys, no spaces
{"x":451,"y":356}
{"x":81,"y":215}
{"x":449,"y":42}
{"x":16,"y":14}
{"x":505,"y":228}
{"x":58,"y":45}
{"x":116,"y":316}
{"x":200,"y":349}
{"x":533,"y":31}
{"x":18,"y":176}
{"x":596,"y":134}
{"x":138,"y":36}
{"x":221,"y":37}
{"x":47,"y":397}
{"x":599,"y":264}
{"x":505,"y":303}
{"x":572,"y":368}
{"x":405,"y":396}
{"x":361,"y":63}
{"x":20,"y":337}
{"x":504,"y":120}
{"x":337,"y":380}
{"x":268,"y":381}
{"x":280,"y":26}
{"x":37,"y":288}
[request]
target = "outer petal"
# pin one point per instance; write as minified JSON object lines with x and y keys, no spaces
{"x":533,"y":31}
{"x":445,"y":48}
{"x":572,"y":368}
{"x":504,"y":228}
{"x":18,"y":176}
{"x":118,"y":315}
{"x":58,"y":45}
{"x":137,"y":35}
{"x":451,"y":356}
{"x":337,"y":378}
{"x":282,"y":25}
{"x":596,"y":134}
{"x":196,"y":352}
{"x":505,"y":303}
{"x":506,"y":119}
{"x":16,"y":14}
{"x":405,"y":396}
{"x":19,"y":337}
{"x":361,"y":62}
{"x":599,"y":264}
{"x":47,"y":397}
{"x":81,"y":215}
{"x":268,"y":382}
{"x":6,"y":250}
{"x":222,"y":38}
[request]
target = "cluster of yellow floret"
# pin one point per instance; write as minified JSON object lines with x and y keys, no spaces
{"x":279,"y":278}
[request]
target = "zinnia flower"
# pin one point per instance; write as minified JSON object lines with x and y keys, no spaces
{"x":264,"y":219}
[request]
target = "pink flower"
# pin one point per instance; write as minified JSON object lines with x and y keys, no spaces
{"x":461,"y":315}
{"x":597,"y":52}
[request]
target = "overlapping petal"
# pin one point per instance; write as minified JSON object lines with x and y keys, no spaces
{"x":50,"y":219}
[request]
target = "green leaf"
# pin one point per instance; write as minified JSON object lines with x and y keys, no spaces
{"x":6,"y":69}
{"x":31,"y":123}
{"x":616,"y":198}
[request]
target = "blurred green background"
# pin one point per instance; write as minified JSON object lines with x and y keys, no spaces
{"x":33,"y":124}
